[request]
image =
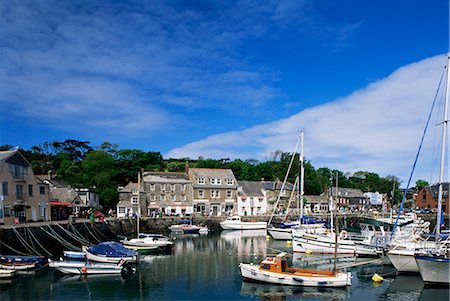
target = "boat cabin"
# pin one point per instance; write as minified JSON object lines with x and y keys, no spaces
{"x":275,"y":264}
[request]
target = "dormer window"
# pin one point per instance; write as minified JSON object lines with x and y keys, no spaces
{"x":230,"y":182}
{"x":215,"y":181}
{"x":201,"y":181}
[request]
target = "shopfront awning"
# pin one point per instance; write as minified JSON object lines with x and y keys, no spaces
{"x":64,"y":204}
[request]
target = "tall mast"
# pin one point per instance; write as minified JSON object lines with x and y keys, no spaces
{"x":444,"y":137}
{"x":302,"y":176}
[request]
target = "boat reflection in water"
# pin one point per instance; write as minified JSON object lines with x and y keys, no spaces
{"x":246,"y":242}
{"x":411,"y":287}
{"x":271,"y":291}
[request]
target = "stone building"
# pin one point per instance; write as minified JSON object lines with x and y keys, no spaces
{"x":214,"y":190}
{"x":273,"y":193}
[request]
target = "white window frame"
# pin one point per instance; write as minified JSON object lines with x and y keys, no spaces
{"x":201,"y":194}
{"x":174,"y":198}
{"x":229,"y":194}
{"x":201,"y":181}
{"x":134,"y":200}
{"x":215,"y":194}
{"x":152,"y":187}
{"x":230,"y":182}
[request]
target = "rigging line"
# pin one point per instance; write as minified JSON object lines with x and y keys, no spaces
{"x":400,"y":209}
{"x":27,"y":229}
{"x":14,"y":250}
{"x":55,"y":238}
{"x":85,"y":240}
{"x":37,"y":241}
{"x":285,"y":179}
{"x":70,"y":234}
{"x":24,"y":242}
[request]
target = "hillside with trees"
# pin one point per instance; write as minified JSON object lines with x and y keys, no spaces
{"x":107,"y":166}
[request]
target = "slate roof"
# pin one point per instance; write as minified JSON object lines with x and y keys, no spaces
{"x":166,"y":177}
{"x":277,"y":185}
{"x":213,"y":173}
{"x":347,"y":192}
{"x":434,"y":189}
{"x":251,"y":188}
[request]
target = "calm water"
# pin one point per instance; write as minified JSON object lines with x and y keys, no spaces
{"x":206,"y":268}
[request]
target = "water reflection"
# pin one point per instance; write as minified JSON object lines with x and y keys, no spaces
{"x":277,"y":292}
{"x":246,"y":242}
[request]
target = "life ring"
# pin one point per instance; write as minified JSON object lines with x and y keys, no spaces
{"x":343,"y":234}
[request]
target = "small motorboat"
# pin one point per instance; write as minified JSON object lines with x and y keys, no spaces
{"x":110,"y":252}
{"x":39,"y":260}
{"x":235,"y":223}
{"x":88,"y":267}
{"x":275,"y":270}
{"x":74,"y":255}
{"x":184,"y":229}
{"x":7,"y":273}
{"x":148,"y":243}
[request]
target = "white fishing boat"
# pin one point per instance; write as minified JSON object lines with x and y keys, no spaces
{"x":236,"y":223}
{"x":4,"y":273}
{"x":275,"y":270}
{"x":88,"y":268}
{"x":146,"y":243}
{"x":18,"y":266}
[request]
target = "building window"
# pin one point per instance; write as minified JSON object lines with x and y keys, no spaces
{"x":5,"y":188}
{"x":163,"y":187}
{"x":229,"y":194}
{"x":42,"y":210}
{"x":174,"y":198}
{"x":30,"y":190}
{"x":121,"y":210}
{"x":152,"y":187}
{"x":215,"y":181}
{"x":18,"y":171}
{"x":172,"y":187}
{"x":215,"y":194}
{"x":152,"y":197}
{"x":41,"y":189}
{"x":183,"y":187}
{"x":134,"y":200}
{"x":201,"y":181}
{"x":201,"y":194}
{"x":230,"y":181}
{"x":19,"y":192}
{"x":183,"y":198}
{"x":163,"y":197}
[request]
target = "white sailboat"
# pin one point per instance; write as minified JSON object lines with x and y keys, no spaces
{"x":434,"y":266}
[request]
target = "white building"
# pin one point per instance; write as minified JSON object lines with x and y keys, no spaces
{"x":251,"y":199}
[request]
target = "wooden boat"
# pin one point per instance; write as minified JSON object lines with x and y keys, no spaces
{"x":275,"y":270}
{"x":18,"y":266}
{"x":87,"y":268}
{"x":235,"y":223}
{"x":7,"y":273}
{"x":110,"y":252}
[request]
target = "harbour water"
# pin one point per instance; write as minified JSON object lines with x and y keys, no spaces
{"x":206,"y":268}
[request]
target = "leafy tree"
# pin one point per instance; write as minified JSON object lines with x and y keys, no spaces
{"x":5,"y":147}
{"x":421,"y":184}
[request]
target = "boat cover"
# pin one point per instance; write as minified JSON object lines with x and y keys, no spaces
{"x":111,"y":249}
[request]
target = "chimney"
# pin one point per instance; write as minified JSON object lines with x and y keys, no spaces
{"x":186,"y":167}
{"x":50,"y":175}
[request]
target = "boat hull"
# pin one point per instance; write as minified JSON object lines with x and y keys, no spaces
{"x":321,"y":244}
{"x":280,"y":233}
{"x":108,"y":259}
{"x":243,"y":225}
{"x":433,"y":269}
{"x":253,"y":273}
{"x":86,"y":268}
{"x":403,"y":260}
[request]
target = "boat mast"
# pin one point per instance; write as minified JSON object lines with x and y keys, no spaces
{"x":139,"y":203}
{"x":302,"y":176}
{"x":444,"y":137}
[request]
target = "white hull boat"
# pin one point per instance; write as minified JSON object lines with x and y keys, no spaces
{"x":110,"y":252}
{"x":434,"y":269}
{"x":88,"y":268}
{"x":148,"y":243}
{"x":235,"y":223}
{"x":403,"y":260}
{"x":275,"y":270}
{"x":280,"y":233}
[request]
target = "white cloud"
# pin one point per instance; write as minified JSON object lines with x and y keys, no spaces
{"x":375,"y":129}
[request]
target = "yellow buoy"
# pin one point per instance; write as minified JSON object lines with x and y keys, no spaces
{"x":377,"y":278}
{"x":288,"y":242}
{"x":267,"y":237}
{"x":308,"y":252}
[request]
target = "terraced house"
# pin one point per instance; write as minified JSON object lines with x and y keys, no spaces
{"x":215,"y":190}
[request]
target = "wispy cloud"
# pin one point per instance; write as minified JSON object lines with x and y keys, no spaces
{"x":376,"y":128}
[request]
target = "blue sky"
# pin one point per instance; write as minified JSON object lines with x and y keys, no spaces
{"x":226,"y":79}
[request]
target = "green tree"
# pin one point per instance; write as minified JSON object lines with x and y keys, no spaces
{"x":421,"y":184}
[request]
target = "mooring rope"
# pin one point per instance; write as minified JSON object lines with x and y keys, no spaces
{"x":14,"y":250}
{"x":85,"y":240}
{"x":71,"y":246}
{"x":70,"y":234}
{"x":37,"y":241}
{"x":59,"y":239}
{"x":92,"y":234}
{"x":24,"y":242}
{"x":100,"y":232}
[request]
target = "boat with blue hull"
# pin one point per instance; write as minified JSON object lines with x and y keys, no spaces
{"x":110,"y":252}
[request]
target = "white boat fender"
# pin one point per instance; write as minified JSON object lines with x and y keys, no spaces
{"x":377,"y":278}
{"x":343,"y":234}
